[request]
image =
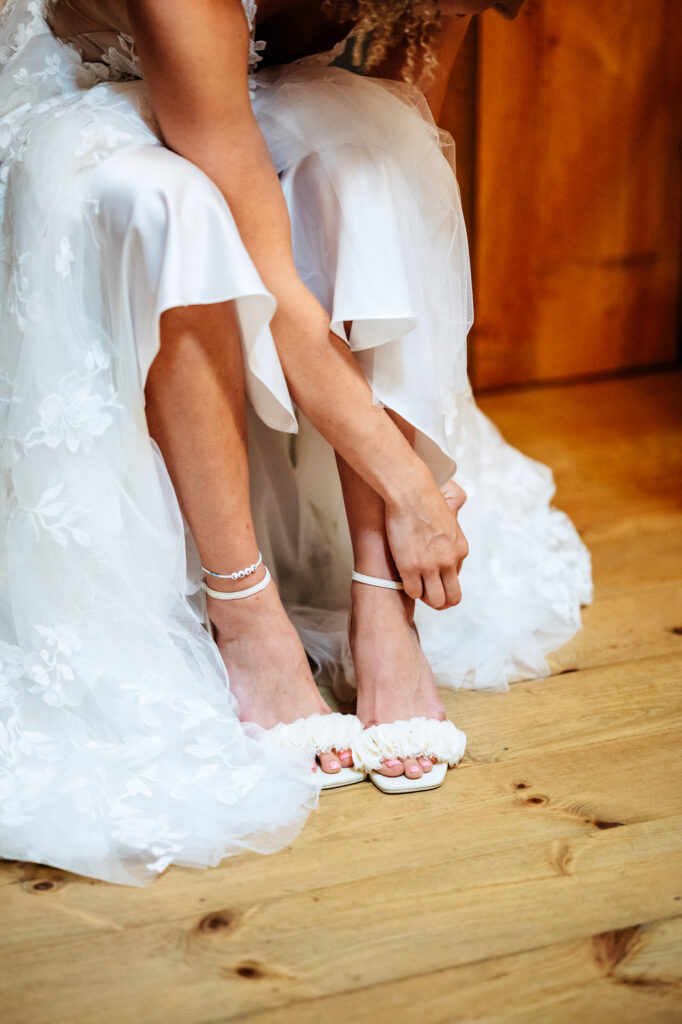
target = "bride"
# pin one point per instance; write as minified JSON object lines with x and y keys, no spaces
{"x":195,"y":252}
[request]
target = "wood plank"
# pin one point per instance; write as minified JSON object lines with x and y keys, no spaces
{"x":609,"y":703}
{"x":635,"y":552}
{"x":632,"y":975}
{"x":625,"y":627}
{"x":615,"y":446}
{"x":511,"y":879}
{"x":577,"y":190}
{"x":618,"y":877}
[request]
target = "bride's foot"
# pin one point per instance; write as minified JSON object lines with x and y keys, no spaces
{"x":268,"y":669}
{"x":394,"y":679}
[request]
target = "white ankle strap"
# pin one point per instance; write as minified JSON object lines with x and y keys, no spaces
{"x":237,"y":595}
{"x":374,"y":581}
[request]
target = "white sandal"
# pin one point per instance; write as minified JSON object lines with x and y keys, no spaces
{"x":316,"y":734}
{"x":320,"y":734}
{"x":416,"y":737}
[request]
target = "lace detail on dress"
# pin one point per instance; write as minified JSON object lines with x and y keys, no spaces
{"x":110,"y":54}
{"x":121,"y":62}
{"x":256,"y":46}
{"x":118,"y":63}
{"x":327,"y":57}
{"x":117,"y":757}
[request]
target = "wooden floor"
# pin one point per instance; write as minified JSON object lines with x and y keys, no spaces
{"x":542,"y":883}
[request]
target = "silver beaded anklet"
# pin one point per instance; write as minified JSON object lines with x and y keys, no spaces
{"x":241,"y":574}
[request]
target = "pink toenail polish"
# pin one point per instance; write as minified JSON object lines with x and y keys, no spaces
{"x":413,"y":768}
{"x":334,"y":764}
{"x":393,"y":763}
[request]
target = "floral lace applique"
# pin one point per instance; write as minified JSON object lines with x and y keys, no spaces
{"x":49,"y":668}
{"x":256,"y":46}
{"x":123,"y":61}
{"x":64,"y":258}
{"x":74,"y":415}
{"x":24,"y":31}
{"x":22,"y":302}
{"x":98,"y":138}
{"x":118,"y":63}
{"x":58,"y":519}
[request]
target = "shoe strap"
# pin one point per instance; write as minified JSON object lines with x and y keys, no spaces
{"x":375,"y":581}
{"x":237,"y":595}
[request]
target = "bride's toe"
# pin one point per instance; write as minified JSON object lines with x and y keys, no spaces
{"x":392,"y":767}
{"x":346,"y":758}
{"x":412,"y":768}
{"x":329,"y":763}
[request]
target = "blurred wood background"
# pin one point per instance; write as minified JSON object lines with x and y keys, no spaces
{"x":568,"y":133}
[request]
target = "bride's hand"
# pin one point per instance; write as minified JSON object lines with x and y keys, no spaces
{"x":427,"y":543}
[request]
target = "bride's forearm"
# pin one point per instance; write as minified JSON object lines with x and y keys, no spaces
{"x":331,"y":390}
{"x":425,"y":541}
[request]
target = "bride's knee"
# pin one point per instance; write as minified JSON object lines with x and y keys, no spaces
{"x":153,"y":191}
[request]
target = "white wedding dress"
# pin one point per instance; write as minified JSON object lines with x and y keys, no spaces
{"x":120,"y":747}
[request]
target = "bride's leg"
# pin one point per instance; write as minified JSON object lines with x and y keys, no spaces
{"x":196,"y":414}
{"x":394,"y":678}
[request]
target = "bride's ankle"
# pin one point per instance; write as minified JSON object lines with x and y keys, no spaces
{"x":260,"y":612}
{"x":371,"y":607}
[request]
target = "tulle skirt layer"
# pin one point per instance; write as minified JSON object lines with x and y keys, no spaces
{"x":120,"y":742}
{"x":121,"y":750}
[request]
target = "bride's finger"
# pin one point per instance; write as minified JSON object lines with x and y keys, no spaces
{"x":454,"y":495}
{"x":434,"y":592}
{"x":412,"y":582}
{"x":453,"y":591}
{"x":464,"y":546}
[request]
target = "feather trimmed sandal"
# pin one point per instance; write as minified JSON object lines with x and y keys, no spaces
{"x":319,"y":734}
{"x":416,"y":737}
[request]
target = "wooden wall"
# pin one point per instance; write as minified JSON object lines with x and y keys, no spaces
{"x":567,"y":122}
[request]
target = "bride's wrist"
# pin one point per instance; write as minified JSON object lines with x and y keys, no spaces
{"x":406,"y":487}
{"x":299,"y":324}
{"x":296,"y":303}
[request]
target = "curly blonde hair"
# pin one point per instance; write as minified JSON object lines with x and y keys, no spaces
{"x":383,"y":24}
